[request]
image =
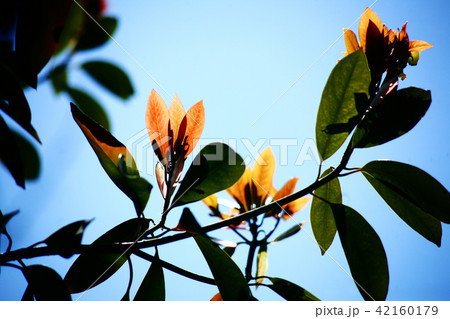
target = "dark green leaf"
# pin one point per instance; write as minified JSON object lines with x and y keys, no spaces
{"x":45,"y":284}
{"x":111,"y":77}
{"x":30,"y":157}
{"x":58,"y":78}
{"x":229,"y":250}
{"x":261,"y":269}
{"x":230,"y":280}
{"x":396,"y":115}
{"x":10,"y":154}
{"x":17,"y":106}
{"x":4,"y":219}
{"x":415,"y":196}
{"x":115,"y":159}
{"x":71,"y":30}
{"x":68,"y":238}
{"x":321,"y":215}
{"x":152,"y":287}
{"x":337,"y":106}
{"x":364,"y":252}
{"x":95,"y":35}
{"x":290,"y":232}
{"x":290,"y":291}
{"x":215,"y":168}
{"x":93,"y":268}
{"x":89,"y":106}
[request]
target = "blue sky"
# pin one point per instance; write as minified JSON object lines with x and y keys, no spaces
{"x":239,"y":58}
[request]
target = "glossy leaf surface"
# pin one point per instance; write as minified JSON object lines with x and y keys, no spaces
{"x":92,"y":268}
{"x":364,"y":252}
{"x":415,"y":196}
{"x":115,"y":159}
{"x":45,"y":284}
{"x":66,"y":239}
{"x":111,"y":77}
{"x":290,"y":291}
{"x":215,"y":168}
{"x":322,"y":220}
{"x":337,"y":106}
{"x":396,"y":115}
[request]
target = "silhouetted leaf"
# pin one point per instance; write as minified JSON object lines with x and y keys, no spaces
{"x":111,"y":77}
{"x":45,"y":284}
{"x":89,"y":106}
{"x":321,"y":215}
{"x":415,"y":196}
{"x":396,"y":115}
{"x":94,"y":35}
{"x":92,"y":268}
{"x":30,"y":157}
{"x":39,"y":25}
{"x":10,"y":154}
{"x":72,"y":28}
{"x":28,"y":294}
{"x":115,"y":159}
{"x":4,"y":219}
{"x":337,"y":106}
{"x":290,"y":232}
{"x":152,"y":287}
{"x":66,"y":239}
{"x":215,"y":168}
{"x":364,"y":252}
{"x":261,"y":269}
{"x":17,"y":106}
{"x":230,"y":280}
{"x":58,"y":78}
{"x":290,"y":291}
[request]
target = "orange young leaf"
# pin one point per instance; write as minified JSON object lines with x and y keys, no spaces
{"x":351,"y":43}
{"x":418,"y":46}
{"x":211,"y":201}
{"x":263,"y":175}
{"x":157,"y":120}
{"x":217,"y":297}
{"x":286,"y":190}
{"x":364,"y":23}
{"x":241,"y":190}
{"x":291,"y":208}
{"x":195,"y":123}
{"x":176,"y":115}
{"x":159,"y":171}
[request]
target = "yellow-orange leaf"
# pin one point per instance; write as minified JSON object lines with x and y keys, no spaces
{"x":418,"y":45}
{"x":287,"y":189}
{"x":241,"y":190}
{"x":263,"y":175}
{"x":176,"y":115}
{"x":195,"y":123}
{"x":157,"y":121}
{"x":351,"y":43}
{"x":159,"y":171}
{"x":367,"y":17}
{"x":211,"y":201}
{"x":295,"y":206}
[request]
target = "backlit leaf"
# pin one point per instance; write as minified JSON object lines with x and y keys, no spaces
{"x":111,"y":77}
{"x":290,"y":291}
{"x":290,"y":232}
{"x":364,"y":252}
{"x":396,"y":115}
{"x":115,"y":159}
{"x":337,"y":107}
{"x":368,"y":19}
{"x":262,"y":175}
{"x":261,"y":269}
{"x":45,"y":284}
{"x":157,"y":121}
{"x":92,"y":268}
{"x":66,"y":239}
{"x":415,"y":196}
{"x":241,"y":191}
{"x":215,"y":168}
{"x":195,"y":122}
{"x":176,"y":115}
{"x":321,"y":215}
{"x":152,"y":287}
